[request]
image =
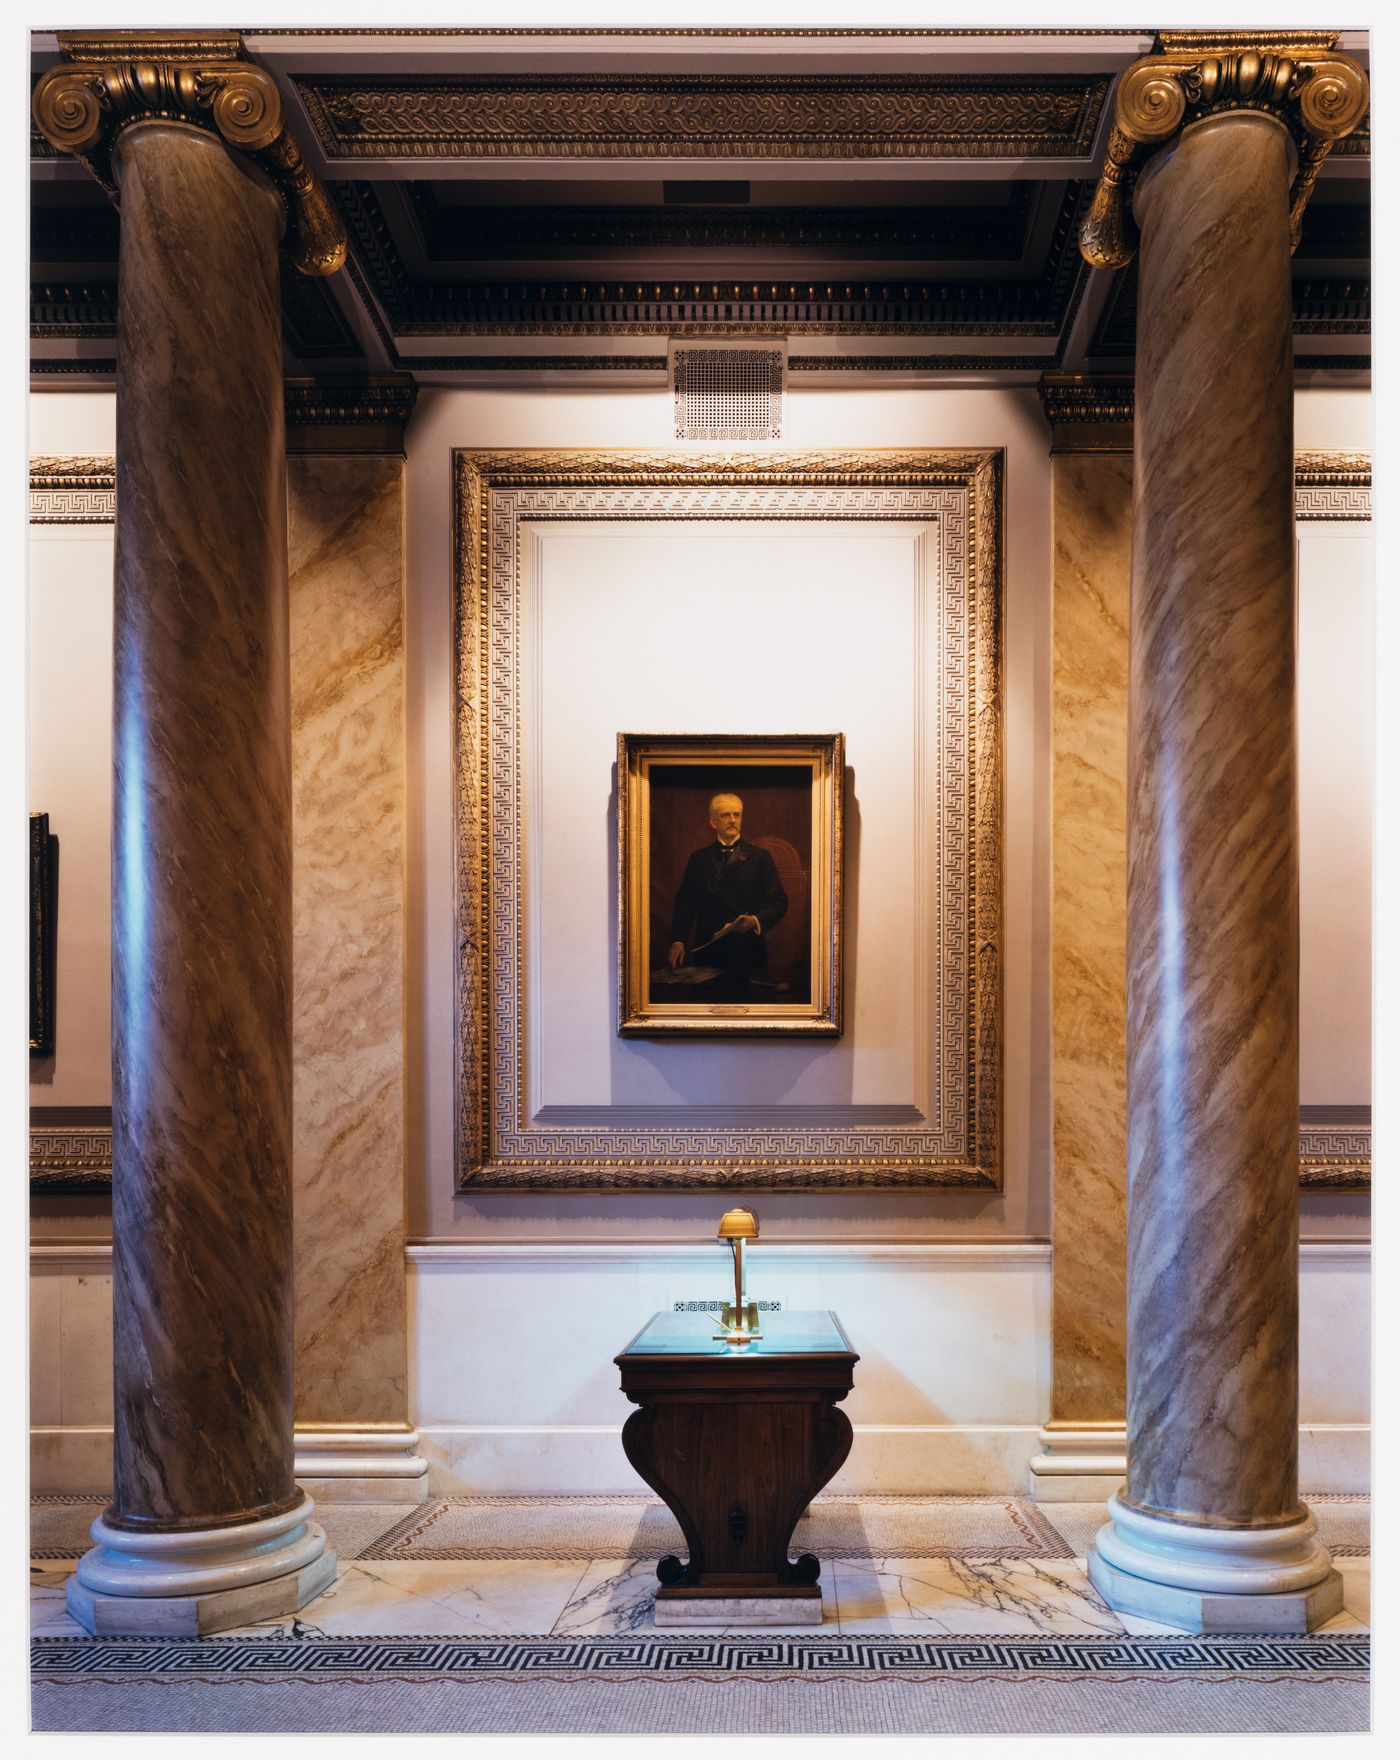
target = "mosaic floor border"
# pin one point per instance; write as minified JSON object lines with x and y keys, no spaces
{"x":431,"y":1657}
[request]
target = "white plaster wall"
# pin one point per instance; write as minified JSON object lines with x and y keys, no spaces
{"x":673,"y":627}
{"x":1335,"y":786}
{"x":70,"y":779}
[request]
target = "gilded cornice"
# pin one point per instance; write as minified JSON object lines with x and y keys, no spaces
{"x":107,"y":84}
{"x":1319,"y":95}
{"x":1079,"y":397}
{"x":362,"y":414}
{"x":753,"y":116}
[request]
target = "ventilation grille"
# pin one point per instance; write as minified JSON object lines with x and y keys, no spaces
{"x":728,"y":393}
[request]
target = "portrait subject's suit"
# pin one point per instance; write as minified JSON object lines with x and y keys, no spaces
{"x":718,"y":885}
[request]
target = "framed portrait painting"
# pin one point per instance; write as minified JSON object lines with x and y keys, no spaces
{"x":729,"y":884}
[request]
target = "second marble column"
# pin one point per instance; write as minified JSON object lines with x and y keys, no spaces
{"x":1209,"y":1532}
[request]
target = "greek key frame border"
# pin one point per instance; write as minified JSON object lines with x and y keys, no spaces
{"x":489,"y":488}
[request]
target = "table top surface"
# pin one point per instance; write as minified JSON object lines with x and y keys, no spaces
{"x":812,"y":1332}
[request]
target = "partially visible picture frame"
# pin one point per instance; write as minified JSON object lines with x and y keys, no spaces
{"x":42,"y":923}
{"x":730,"y":884}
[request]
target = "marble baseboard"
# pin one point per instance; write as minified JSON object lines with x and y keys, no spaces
{"x":70,"y":1460}
{"x":1072,"y":1487}
{"x":1335,"y":1457}
{"x":1079,"y":1465}
{"x":342,"y":1490}
{"x":587,"y":1460}
{"x":361,"y":1466}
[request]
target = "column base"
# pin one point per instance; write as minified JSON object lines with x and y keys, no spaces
{"x":1201,"y":1579}
{"x":1079,"y":1463}
{"x":361,"y":1466}
{"x":193,"y":1616}
{"x":185,"y":1583}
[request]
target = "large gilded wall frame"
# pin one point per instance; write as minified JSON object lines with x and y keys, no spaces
{"x":957,"y":496}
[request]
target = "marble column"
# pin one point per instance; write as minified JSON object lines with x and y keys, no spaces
{"x":1209,"y":1532}
{"x":207,"y":1527}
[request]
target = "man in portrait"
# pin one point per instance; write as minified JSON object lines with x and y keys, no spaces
{"x":729,"y":898}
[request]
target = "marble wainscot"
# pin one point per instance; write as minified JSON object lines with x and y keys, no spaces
{"x":1083,"y":1449}
{"x":353,"y":1440}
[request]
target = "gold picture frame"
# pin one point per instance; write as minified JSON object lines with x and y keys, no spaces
{"x":949,"y":1134}
{"x":43,"y":900}
{"x":729,"y":884}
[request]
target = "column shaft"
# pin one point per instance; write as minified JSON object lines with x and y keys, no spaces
{"x":201,"y":846}
{"x":1212,"y":853}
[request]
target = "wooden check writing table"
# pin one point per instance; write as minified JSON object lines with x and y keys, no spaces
{"x":737,"y":1442}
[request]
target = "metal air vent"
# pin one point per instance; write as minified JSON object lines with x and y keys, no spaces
{"x":728,"y":393}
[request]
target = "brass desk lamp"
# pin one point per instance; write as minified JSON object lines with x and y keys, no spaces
{"x":740,"y":1317}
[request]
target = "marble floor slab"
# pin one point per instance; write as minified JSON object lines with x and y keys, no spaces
{"x":983,"y":1597}
{"x":477,"y":1598}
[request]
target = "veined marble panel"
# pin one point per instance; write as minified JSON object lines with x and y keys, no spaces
{"x":346,"y":563}
{"x":1089,"y":747}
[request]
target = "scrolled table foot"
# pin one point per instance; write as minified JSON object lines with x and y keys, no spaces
{"x":806,"y":1568}
{"x":670,"y":1570}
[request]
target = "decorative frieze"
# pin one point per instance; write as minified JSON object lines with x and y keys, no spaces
{"x":351,"y":414}
{"x":688,"y":116}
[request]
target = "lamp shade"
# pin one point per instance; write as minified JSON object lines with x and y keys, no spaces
{"x":738,"y":1225}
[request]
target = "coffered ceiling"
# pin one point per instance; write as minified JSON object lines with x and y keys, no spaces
{"x":556,"y":205}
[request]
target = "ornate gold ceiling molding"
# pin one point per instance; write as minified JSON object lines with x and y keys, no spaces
{"x":107,"y":83}
{"x":560,"y":116}
{"x":1299,"y":78}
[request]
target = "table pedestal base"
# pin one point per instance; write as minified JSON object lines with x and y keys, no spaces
{"x":675,"y":1607}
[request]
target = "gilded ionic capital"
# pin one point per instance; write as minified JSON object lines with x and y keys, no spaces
{"x":108,"y":84}
{"x":1298,"y":78}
